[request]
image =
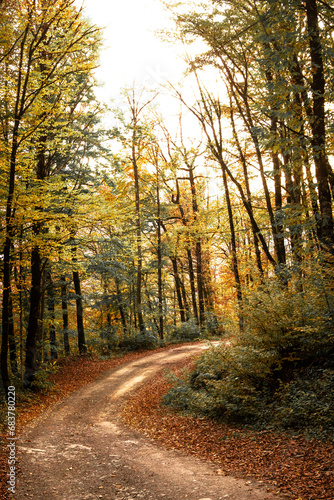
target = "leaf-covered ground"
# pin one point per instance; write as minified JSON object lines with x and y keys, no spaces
{"x":71,"y":374}
{"x":302,"y":469}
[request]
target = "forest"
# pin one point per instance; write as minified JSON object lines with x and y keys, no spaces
{"x":217,"y":225}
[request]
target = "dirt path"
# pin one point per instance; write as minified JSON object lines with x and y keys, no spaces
{"x":81,"y":450}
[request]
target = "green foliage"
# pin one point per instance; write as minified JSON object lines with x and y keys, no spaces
{"x":293,"y":322}
{"x":110,"y":340}
{"x":41,"y":382}
{"x":185,"y":332}
{"x":279,"y":372}
{"x":139,"y":341}
{"x":307,"y":403}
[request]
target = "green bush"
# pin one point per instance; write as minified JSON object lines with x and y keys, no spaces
{"x":185,"y":332}
{"x":139,"y":341}
{"x":41,"y":382}
{"x":224,"y":384}
{"x":307,"y":403}
{"x":278,"y":372}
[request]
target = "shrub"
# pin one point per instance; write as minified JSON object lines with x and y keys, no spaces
{"x":185,"y":332}
{"x":279,"y":371}
{"x":307,"y":403}
{"x":139,"y":341}
{"x":41,"y":381}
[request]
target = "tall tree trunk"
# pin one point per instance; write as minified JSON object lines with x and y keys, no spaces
{"x":293,"y":200}
{"x":63,"y":291}
{"x":245,"y":113}
{"x":200,"y":282}
{"x":278,"y":229}
{"x":247,"y":206}
{"x":159,"y":252}
{"x":139,"y":244}
{"x":33,"y":332}
{"x":80,"y":326}
{"x":11,"y":340}
{"x":20,"y":290}
{"x":20,"y":97}
{"x":318,"y":127}
{"x":184,"y":294}
{"x":234,"y":251}
{"x":178,"y":288}
{"x":198,"y":248}
{"x":248,"y":191}
{"x":189,"y":255}
{"x":120,"y":306}
{"x":304,"y":100}
{"x":51,"y":311}
{"x":192,"y":283}
{"x":34,"y":325}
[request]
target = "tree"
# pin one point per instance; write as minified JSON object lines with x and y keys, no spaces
{"x":264,"y":53}
{"x":136,"y":137}
{"x":52,"y":45}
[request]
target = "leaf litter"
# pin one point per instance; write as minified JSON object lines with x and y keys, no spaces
{"x":294,"y":466}
{"x":299,"y":468}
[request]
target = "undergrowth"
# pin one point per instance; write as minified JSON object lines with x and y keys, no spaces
{"x":279,"y":372}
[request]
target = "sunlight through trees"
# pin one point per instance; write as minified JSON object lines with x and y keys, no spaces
{"x":145,"y":232}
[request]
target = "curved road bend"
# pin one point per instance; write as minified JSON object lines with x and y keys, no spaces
{"x":80,"y":449}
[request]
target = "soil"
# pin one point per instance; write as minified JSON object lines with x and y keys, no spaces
{"x":80,"y":448}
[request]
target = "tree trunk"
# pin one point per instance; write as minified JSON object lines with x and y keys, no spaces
{"x":318,"y":127}
{"x":65,"y":314}
{"x":246,"y":115}
{"x":192,"y":283}
{"x":120,"y":307}
{"x":80,"y":326}
{"x":11,"y":340}
{"x":20,"y":96}
{"x":159,"y":252}
{"x":178,"y":288}
{"x":51,"y":310}
{"x":200,"y":282}
{"x":248,"y":191}
{"x":278,"y":230}
{"x":184,"y":295}
{"x":139,"y":245}
{"x":33,"y":332}
{"x":5,"y":315}
{"x":198,"y":248}
{"x":234,"y":252}
{"x":189,"y":256}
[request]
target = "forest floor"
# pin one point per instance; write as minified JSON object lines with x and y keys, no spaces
{"x":299,"y":468}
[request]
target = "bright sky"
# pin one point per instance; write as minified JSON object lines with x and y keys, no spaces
{"x":133,"y":53}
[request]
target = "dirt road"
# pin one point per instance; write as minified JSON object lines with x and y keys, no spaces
{"x":81,"y":450}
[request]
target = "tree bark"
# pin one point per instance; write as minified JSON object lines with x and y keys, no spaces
{"x":235,"y":265}
{"x":11,"y":340}
{"x":198,"y":248}
{"x":64,"y":307}
{"x":120,"y":306}
{"x":318,"y":127}
{"x":248,"y":191}
{"x":51,"y":310}
{"x":189,"y":255}
{"x":178,"y":288}
{"x":32,"y":354}
{"x":139,"y":243}
{"x":80,"y":326}
{"x":159,"y":252}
